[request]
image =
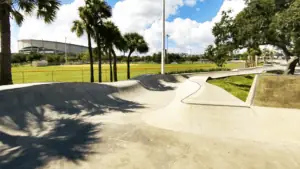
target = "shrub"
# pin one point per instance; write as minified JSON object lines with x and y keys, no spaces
{"x":55,"y":59}
{"x":33,"y":57}
{"x":18,"y":58}
{"x":198,"y":70}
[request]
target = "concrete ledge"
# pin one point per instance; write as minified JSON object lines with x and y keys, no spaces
{"x":251,"y":93}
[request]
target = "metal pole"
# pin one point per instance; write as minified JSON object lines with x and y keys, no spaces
{"x":31,"y":45}
{"x":167,"y":41}
{"x":163,"y":37}
{"x":43,"y":47}
{"x":167,"y":51}
{"x":66,"y":49}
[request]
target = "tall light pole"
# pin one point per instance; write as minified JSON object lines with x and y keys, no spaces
{"x":163,"y":52}
{"x":167,"y":51}
{"x":66,"y":50}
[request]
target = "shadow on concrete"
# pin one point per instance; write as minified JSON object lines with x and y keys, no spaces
{"x":155,"y":82}
{"x":249,"y":77}
{"x":28,"y":108}
{"x":69,"y":139}
{"x":244,"y":86}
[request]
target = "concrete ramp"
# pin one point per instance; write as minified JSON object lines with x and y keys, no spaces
{"x":28,"y":109}
{"x":208,"y":94}
{"x":191,"y":113}
{"x":84,"y":125}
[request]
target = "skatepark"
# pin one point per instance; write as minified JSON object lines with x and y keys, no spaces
{"x":152,"y":121}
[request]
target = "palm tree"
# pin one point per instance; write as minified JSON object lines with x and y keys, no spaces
{"x":79,"y":26}
{"x":134,"y":42}
{"x":46,"y":9}
{"x":99,"y":10}
{"x":113,"y":39}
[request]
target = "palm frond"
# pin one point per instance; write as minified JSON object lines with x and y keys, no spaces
{"x":27,"y":5}
{"x":18,"y":17}
{"x":47,"y":9}
{"x":78,"y":28}
{"x":143,"y":47}
{"x":135,"y":41}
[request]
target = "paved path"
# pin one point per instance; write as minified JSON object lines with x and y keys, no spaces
{"x":150,"y":122}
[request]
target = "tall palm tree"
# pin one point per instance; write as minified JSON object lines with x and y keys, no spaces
{"x":79,"y":26}
{"x":113,"y":39}
{"x":99,"y":10}
{"x":46,"y":9}
{"x":134,"y":42}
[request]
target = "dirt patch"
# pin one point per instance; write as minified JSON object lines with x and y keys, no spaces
{"x":278,"y":91}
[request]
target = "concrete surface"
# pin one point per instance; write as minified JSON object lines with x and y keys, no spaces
{"x":251,"y":93}
{"x":168,"y":121}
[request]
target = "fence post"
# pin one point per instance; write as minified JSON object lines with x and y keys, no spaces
{"x":52,"y":75}
{"x":23,"y":77}
{"x":82,"y":75}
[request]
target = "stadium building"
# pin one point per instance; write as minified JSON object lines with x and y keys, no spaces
{"x":43,"y":46}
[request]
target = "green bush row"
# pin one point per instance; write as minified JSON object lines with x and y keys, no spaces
{"x":198,"y":70}
{"x":20,"y":58}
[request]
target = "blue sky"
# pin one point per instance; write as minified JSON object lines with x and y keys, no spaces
{"x":189,"y":26}
{"x":201,"y":12}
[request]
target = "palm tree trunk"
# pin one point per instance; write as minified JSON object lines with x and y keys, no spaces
{"x":110,"y":65}
{"x":286,"y":53}
{"x":99,"y":58}
{"x":128,"y":64}
{"x":91,"y":57}
{"x":5,"y":75}
{"x":115,"y":66}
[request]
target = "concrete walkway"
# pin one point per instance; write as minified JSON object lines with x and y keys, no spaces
{"x":171,"y":121}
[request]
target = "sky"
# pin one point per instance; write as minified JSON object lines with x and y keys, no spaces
{"x":188,"y":22}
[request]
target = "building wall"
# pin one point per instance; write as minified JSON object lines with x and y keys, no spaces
{"x":71,"y":48}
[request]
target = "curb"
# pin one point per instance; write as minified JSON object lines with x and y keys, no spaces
{"x":251,"y":93}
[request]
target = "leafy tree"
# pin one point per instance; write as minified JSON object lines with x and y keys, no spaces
{"x":81,"y":26}
{"x":194,"y":58}
{"x":18,"y":58}
{"x":263,"y":22}
{"x":157,"y":57}
{"x":218,"y":55}
{"x":46,"y":9}
{"x":134,"y":42}
{"x":33,"y":57}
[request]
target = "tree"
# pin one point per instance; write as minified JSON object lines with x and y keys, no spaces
{"x":134,"y":42}
{"x":46,"y":9}
{"x":79,"y":26}
{"x":97,"y":12}
{"x":218,"y":54}
{"x":194,"y":59}
{"x":113,"y":39}
{"x":263,"y":22}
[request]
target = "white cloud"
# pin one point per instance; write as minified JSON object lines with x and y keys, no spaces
{"x":190,"y":2}
{"x":34,"y":28}
{"x":186,"y":33}
{"x":138,"y":16}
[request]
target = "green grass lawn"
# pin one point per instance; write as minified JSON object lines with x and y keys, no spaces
{"x":238,"y":86}
{"x":80,"y":73}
